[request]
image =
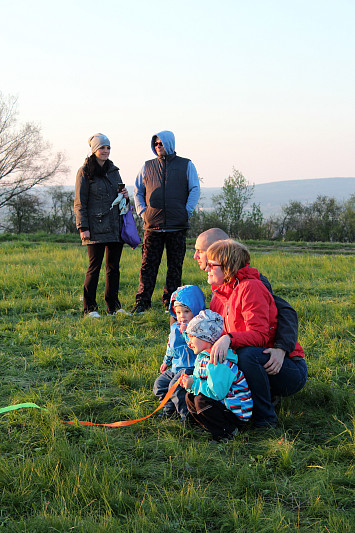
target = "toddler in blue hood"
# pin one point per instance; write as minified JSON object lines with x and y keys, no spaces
{"x":185,"y":303}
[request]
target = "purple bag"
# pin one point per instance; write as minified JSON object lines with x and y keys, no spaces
{"x":129,"y":233}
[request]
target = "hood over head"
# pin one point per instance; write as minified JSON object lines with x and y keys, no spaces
{"x":168,"y":140}
{"x":189,"y":295}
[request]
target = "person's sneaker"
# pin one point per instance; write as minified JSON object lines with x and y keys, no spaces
{"x":93,"y":314}
{"x":118,"y":312}
{"x":166,"y":306}
{"x":139,"y":309}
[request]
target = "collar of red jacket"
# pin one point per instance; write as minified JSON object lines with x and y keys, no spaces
{"x":226,"y":289}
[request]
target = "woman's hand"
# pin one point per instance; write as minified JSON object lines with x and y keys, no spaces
{"x":219,"y":349}
{"x":186,"y":381}
{"x":274,"y":364}
{"x":85,"y":235}
{"x":163,"y":367}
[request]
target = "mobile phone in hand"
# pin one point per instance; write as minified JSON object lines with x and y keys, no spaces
{"x":121,"y":186}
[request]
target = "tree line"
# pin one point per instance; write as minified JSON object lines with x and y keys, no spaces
{"x":26,"y":161}
{"x":325,"y":219}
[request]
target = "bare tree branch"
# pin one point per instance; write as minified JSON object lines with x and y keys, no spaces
{"x":25,"y":158}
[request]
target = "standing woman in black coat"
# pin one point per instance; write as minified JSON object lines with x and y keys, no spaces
{"x":98,"y":184}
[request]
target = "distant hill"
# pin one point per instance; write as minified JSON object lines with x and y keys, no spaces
{"x":272,"y":196}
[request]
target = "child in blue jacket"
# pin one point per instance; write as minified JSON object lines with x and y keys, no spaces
{"x":218,"y":396}
{"x":185,"y":303}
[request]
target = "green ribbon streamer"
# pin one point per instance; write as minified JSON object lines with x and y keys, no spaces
{"x":19,"y":406}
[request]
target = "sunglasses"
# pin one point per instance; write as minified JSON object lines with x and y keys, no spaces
{"x":158,"y":144}
{"x":213,"y":265}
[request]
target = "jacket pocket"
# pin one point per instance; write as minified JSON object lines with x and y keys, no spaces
{"x":100,"y":224}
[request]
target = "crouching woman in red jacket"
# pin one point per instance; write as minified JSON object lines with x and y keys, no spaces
{"x":250,"y":321}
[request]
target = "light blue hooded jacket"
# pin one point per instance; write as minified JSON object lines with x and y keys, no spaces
{"x":178,"y":354}
{"x":168,"y":140}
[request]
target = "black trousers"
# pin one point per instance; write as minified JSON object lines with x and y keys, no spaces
{"x":152,"y":251}
{"x":212,"y":415}
{"x":96,"y":254}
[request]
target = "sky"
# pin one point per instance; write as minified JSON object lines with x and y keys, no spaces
{"x":263,"y":86}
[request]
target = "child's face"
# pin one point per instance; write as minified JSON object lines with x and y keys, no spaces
{"x":198,"y":345}
{"x":183,"y":314}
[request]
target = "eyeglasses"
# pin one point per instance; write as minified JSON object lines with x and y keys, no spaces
{"x":158,"y":144}
{"x":213,"y":265}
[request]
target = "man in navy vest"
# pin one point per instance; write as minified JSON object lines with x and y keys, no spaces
{"x":166,"y":192}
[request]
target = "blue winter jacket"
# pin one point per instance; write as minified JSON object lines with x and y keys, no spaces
{"x":178,"y":354}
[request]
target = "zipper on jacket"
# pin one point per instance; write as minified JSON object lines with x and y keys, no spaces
{"x":226,"y":323}
{"x":235,"y":284}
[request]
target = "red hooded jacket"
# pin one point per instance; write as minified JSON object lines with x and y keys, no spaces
{"x":248,"y":310}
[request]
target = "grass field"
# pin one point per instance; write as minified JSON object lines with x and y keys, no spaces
{"x":157,"y":476}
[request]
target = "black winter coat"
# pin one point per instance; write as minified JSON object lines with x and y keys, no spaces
{"x":93,"y":198}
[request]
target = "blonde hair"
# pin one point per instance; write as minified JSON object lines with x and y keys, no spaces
{"x":231,"y":255}
{"x":176,"y":303}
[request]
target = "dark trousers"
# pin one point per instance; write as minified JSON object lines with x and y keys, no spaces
{"x":96,"y":254}
{"x":291,"y":379}
{"x":212,"y":415}
{"x":177,"y":402}
{"x":152,"y":251}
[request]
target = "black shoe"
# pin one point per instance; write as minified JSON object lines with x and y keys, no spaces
{"x":139,"y":309}
{"x":164,"y":415}
{"x":264,"y":427}
{"x":275,"y":400}
{"x":189,"y":422}
{"x":226,"y":438}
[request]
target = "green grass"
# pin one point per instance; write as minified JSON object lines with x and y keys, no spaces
{"x":156,"y":476}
